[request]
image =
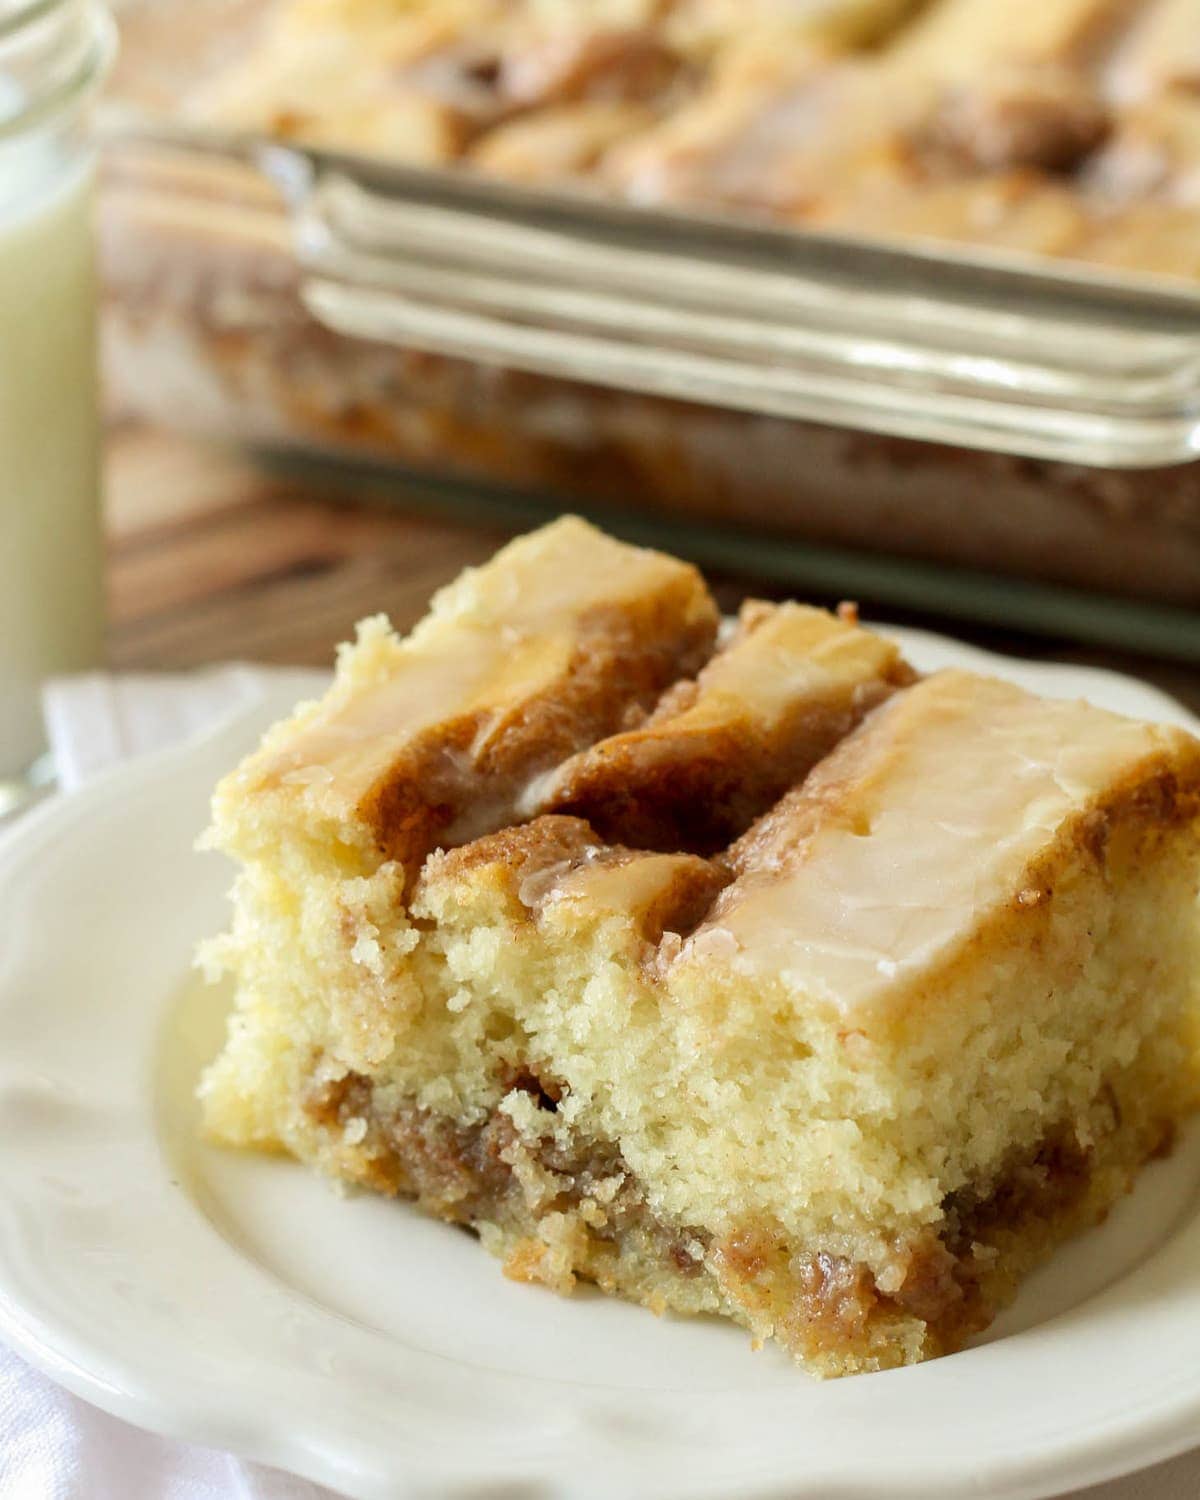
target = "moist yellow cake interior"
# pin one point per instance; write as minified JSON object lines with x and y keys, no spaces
{"x":843,"y":1079}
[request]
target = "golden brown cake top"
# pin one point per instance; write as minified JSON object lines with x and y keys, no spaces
{"x":1154,"y":154}
{"x":556,"y":871}
{"x":561,"y":676}
{"x":952,"y":802}
{"x":1161,"y":51}
{"x":952,"y":39}
{"x":1062,"y":128}
{"x":717,"y":752}
{"x":975,"y":120}
{"x":550,"y":646}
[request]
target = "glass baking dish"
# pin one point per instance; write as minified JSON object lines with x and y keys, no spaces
{"x":997,"y":436}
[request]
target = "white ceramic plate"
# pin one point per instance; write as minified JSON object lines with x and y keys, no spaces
{"x":237,"y":1301}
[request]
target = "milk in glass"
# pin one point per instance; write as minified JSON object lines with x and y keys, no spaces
{"x":50,"y":562}
{"x":52,"y":55}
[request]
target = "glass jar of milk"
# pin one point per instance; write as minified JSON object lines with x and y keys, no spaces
{"x":52,"y":54}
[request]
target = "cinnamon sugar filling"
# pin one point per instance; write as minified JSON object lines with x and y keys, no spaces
{"x":819,"y":1301}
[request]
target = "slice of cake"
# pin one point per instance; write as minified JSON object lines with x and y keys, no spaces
{"x":906,"y":998}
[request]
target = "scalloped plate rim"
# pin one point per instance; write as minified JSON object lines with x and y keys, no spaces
{"x":116,"y":1383}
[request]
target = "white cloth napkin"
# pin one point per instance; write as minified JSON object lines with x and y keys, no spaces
{"x":54,"y":1446}
{"x":97,"y":719}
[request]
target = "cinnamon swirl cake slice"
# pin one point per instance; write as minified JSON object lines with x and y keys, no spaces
{"x":753,"y":977}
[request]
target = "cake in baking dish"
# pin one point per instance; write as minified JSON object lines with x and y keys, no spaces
{"x":734,"y":970}
{"x":1055,"y":127}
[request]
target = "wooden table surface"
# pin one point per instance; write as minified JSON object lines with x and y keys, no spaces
{"x":213,"y":557}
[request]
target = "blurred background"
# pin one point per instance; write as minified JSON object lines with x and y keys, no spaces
{"x":893,"y":300}
{"x":984,"y":425}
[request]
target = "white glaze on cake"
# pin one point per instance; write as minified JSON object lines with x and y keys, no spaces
{"x":931,"y":816}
